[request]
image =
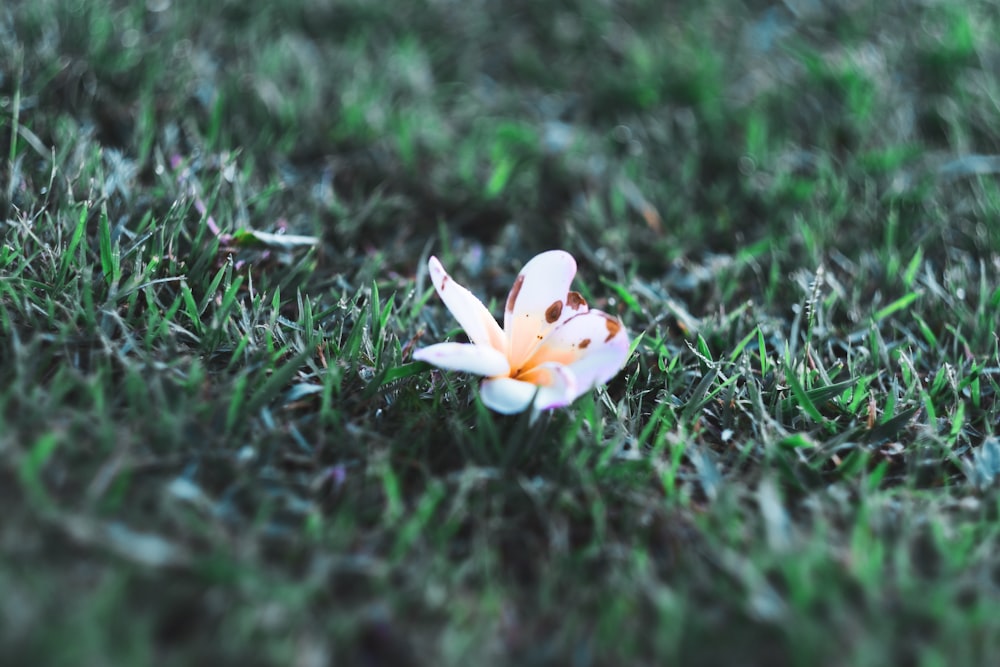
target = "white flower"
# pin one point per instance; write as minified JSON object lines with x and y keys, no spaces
{"x":552,"y":348}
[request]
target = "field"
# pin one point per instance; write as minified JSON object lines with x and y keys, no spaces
{"x":215,"y":220}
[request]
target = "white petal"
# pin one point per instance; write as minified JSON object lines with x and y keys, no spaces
{"x":540,"y":300}
{"x":593,"y":346}
{"x":507,"y":396}
{"x":550,"y":386}
{"x":472,"y":315}
{"x":478,"y":359}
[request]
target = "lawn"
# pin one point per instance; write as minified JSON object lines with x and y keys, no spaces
{"x":215,"y":221}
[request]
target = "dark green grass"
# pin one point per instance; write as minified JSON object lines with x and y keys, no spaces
{"x":214,"y":448}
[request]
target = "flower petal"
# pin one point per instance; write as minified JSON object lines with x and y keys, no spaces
{"x":478,"y":359}
{"x":507,"y":396}
{"x":472,"y":315}
{"x":593,"y":345}
{"x":540,"y":300}
{"x":550,"y":386}
{"x":556,"y":385}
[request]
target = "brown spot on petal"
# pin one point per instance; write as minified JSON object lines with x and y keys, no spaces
{"x":576,"y":301}
{"x":514,"y":291}
{"x":584,"y":343}
{"x":614,"y":326}
{"x":444,"y":281}
{"x":553,"y":312}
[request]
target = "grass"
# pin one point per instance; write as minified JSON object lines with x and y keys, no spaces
{"x":214,"y":448}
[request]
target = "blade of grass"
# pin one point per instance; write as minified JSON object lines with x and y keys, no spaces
{"x":896,"y":306}
{"x":804,"y":401}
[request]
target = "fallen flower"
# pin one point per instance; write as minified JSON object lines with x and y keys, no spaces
{"x":552,"y":348}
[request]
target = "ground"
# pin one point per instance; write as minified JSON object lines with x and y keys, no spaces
{"x":215,"y":447}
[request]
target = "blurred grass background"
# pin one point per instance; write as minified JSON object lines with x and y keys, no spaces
{"x":214,"y":448}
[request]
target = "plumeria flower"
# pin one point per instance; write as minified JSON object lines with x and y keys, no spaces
{"x":552,"y":348}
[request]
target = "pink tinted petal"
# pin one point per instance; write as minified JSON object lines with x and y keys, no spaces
{"x":478,"y":359}
{"x":472,"y":315}
{"x":507,"y":396}
{"x":539,"y":300}
{"x":578,"y":337}
{"x":600,"y":365}
{"x":593,"y":345}
{"x":557,"y":386}
{"x":598,"y":369}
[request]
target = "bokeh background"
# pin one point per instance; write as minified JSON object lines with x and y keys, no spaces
{"x":215,"y":217}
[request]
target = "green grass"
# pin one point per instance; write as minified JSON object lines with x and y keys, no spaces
{"x":214,"y":448}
